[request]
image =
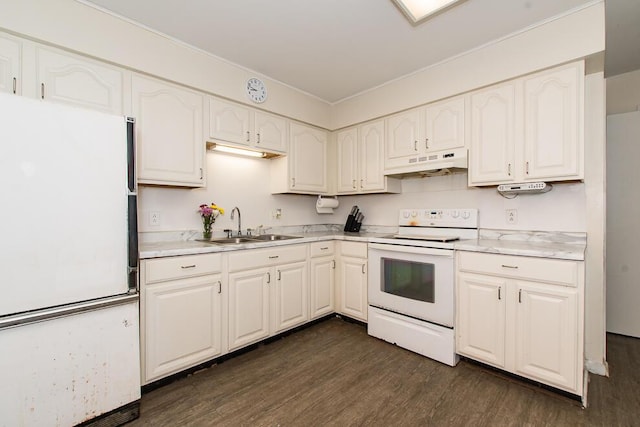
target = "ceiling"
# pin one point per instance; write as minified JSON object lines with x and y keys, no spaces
{"x":334,"y":49}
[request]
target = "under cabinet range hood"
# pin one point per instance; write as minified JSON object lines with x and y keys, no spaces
{"x":445,"y":162}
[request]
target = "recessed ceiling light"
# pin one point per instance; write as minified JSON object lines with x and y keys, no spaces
{"x":419,"y":10}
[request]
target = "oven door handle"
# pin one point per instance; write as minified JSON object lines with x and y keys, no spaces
{"x":445,"y":253}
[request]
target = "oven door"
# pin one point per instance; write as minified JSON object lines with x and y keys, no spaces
{"x":412,"y":280}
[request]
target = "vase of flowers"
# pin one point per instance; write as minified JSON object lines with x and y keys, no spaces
{"x":209,"y":213}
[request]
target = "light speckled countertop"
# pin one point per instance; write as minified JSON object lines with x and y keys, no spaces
{"x":557,"y":245}
{"x":192,"y":247}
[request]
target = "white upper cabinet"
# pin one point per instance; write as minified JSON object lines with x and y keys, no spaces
{"x":70,"y":79}
{"x":529,"y":129}
{"x":271,"y":132}
{"x":444,"y":124}
{"x":10,"y":65}
{"x":360,"y":156}
{"x":413,"y":134}
{"x":404,"y":138}
{"x":347,"y":149}
{"x":246,"y":127}
{"x":169,"y":138}
{"x":491,"y":153}
{"x":229,"y":122}
{"x":553,"y":124}
{"x":304,"y":169}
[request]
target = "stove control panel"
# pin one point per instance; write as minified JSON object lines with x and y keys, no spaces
{"x":457,"y":218}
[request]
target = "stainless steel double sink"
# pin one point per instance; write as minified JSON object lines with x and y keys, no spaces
{"x":251,"y":239}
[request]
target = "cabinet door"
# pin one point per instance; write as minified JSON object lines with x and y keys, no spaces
{"x":270,"y":132}
{"x":168,"y":133}
{"x":371,"y":156}
{"x":404,"y":139}
{"x":69,"y":79}
{"x":183,"y":324}
{"x":553,"y":123}
{"x":229,"y":122}
{"x":480,"y":329}
{"x":353,"y":287}
{"x":321,"y":287}
{"x":492,"y":135}
{"x":249,"y":306}
{"x":308,"y":159}
{"x":444,"y":125}
{"x":546,"y":341}
{"x":10,"y":61}
{"x":347,"y":146}
{"x":290,"y":305}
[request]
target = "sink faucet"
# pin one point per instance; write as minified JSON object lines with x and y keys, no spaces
{"x":239,"y":220}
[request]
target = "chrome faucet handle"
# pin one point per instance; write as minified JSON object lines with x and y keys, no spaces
{"x":249,"y":232}
{"x":229,"y":232}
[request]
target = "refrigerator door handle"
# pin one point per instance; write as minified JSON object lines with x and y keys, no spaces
{"x":27,"y":318}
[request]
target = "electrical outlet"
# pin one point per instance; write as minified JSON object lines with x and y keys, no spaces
{"x":154,"y":218}
{"x":277,"y":214}
{"x":512,"y":216}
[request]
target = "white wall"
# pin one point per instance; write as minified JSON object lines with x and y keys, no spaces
{"x":623,"y":93}
{"x":84,"y":29}
{"x":560,"y":40}
{"x":235,"y":181}
{"x":231,"y":181}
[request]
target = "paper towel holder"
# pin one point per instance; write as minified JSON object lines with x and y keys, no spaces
{"x":321,"y":204}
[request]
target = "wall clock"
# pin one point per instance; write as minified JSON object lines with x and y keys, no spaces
{"x":256,"y":90}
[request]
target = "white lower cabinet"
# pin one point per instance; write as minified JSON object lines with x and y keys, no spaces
{"x":322,"y":266}
{"x":523,"y":315}
{"x":267,"y":292}
{"x":352,"y":280}
{"x":181,"y":313}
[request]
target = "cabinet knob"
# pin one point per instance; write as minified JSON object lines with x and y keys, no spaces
{"x":415,"y":145}
{"x":248,"y":136}
{"x":258,"y":138}
{"x":426,"y":143}
{"x":15,"y":85}
{"x":42,"y":90}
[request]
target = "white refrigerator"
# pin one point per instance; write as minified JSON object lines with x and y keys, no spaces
{"x":69,"y":335}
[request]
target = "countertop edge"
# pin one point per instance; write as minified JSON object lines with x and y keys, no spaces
{"x":553,"y":250}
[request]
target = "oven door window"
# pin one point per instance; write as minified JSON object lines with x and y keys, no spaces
{"x":408,"y":279}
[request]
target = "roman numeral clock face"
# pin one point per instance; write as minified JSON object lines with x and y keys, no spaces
{"x":256,"y":90}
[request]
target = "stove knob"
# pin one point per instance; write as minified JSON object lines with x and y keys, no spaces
{"x":414,"y":214}
{"x":465,"y":214}
{"x":455,"y":214}
{"x":405,"y":214}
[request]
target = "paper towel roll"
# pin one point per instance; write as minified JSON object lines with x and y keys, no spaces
{"x":326,"y":205}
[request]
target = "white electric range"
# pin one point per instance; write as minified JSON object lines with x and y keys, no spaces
{"x":411,"y":281}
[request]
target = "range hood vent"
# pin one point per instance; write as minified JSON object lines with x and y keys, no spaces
{"x":439,"y":163}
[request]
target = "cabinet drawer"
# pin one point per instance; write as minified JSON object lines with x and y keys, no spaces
{"x":353,"y":249}
{"x":254,"y":258}
{"x":162,"y":269}
{"x":317,"y":249}
{"x":538,"y":269}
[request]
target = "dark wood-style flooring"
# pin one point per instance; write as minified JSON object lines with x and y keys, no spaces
{"x":334,"y":374}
